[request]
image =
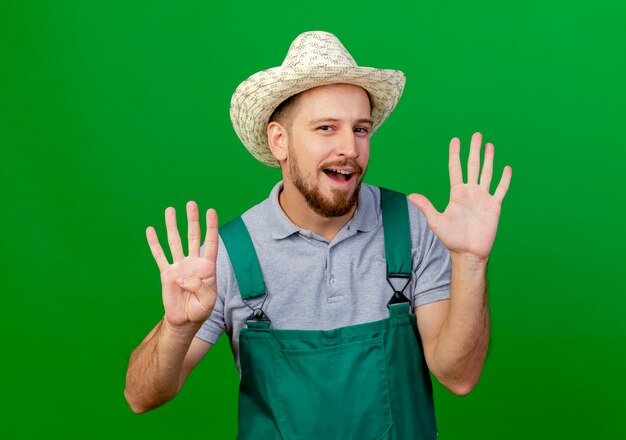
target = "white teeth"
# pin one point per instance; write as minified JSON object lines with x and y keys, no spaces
{"x":341,"y":171}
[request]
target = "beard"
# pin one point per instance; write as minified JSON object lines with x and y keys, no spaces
{"x":338,"y":203}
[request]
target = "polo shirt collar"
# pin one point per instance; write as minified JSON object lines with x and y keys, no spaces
{"x":281,"y":227}
{"x":364,"y":219}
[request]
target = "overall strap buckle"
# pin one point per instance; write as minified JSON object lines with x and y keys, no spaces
{"x":398,"y":295}
{"x":258,"y":319}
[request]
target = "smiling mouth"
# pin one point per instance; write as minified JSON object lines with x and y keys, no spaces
{"x":341,"y":176}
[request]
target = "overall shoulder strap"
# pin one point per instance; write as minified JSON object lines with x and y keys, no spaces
{"x":243,"y":257}
{"x":397,"y":232}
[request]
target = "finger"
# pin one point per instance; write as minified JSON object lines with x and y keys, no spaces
{"x":427,"y":208}
{"x":503,"y":186}
{"x":211,"y":240}
{"x":193,"y":229}
{"x":487,"y":171}
{"x":155,"y":248}
{"x":454,"y":162}
{"x":173,"y":238}
{"x":473,"y":161}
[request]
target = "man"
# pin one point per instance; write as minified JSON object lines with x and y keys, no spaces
{"x":313,"y":285}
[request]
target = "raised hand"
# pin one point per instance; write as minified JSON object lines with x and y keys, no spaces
{"x":469,"y":223}
{"x":188,"y":284}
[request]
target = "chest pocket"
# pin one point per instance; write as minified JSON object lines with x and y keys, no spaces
{"x":339,"y":391}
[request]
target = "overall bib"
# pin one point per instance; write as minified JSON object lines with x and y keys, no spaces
{"x":361,"y":382}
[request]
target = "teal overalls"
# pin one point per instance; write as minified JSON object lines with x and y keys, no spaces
{"x":361,"y":382}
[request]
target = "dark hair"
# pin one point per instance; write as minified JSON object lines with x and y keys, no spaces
{"x":283,"y":114}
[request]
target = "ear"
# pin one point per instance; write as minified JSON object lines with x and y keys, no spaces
{"x":277,"y":139}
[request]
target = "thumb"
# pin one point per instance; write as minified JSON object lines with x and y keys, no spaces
{"x":204,"y":290}
{"x":189,"y":283}
{"x":424,"y":205}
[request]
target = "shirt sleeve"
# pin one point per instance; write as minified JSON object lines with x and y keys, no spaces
{"x":431,"y":262}
{"x":213,"y":327}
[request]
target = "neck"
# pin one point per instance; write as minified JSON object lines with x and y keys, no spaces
{"x":295,"y":206}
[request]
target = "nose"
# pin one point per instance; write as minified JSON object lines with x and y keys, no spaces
{"x":348,"y":145}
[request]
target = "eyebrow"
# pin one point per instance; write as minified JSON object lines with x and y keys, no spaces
{"x":358,"y":121}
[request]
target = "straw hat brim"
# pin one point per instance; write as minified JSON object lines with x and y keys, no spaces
{"x":256,"y":98}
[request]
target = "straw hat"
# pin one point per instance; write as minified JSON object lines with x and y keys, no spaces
{"x":314,"y":59}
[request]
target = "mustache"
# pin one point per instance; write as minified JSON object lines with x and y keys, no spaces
{"x":344,"y":163}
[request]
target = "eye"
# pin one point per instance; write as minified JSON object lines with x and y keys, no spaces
{"x":324,"y":127}
{"x":361,"y":130}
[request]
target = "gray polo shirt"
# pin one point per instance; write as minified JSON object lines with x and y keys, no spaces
{"x":314,"y":284}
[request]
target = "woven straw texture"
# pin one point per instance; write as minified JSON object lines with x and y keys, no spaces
{"x":314,"y":59}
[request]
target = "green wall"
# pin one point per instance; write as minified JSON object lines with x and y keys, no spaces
{"x":113,"y":110}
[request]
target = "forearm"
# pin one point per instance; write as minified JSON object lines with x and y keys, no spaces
{"x":153,"y":375}
{"x":461,"y":348}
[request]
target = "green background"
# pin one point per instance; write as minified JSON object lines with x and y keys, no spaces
{"x":113,"y":110}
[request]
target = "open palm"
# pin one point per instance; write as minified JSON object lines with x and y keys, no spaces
{"x":188,"y":284}
{"x":469,"y":223}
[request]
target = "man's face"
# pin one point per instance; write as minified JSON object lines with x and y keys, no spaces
{"x":329,"y":146}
